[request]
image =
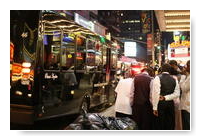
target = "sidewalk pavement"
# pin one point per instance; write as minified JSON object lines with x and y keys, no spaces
{"x":109,"y":112}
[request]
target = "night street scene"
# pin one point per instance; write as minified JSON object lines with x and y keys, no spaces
{"x":100,"y":70}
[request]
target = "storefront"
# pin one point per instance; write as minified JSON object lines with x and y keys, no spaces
{"x":179,"y":51}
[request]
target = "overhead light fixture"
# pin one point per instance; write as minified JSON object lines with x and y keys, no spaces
{"x":176,"y":33}
{"x":177,"y":26}
{"x":172,"y":30}
{"x":170,"y":14}
{"x":178,"y":20}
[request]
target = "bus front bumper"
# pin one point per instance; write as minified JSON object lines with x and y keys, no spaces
{"x":21,"y":114}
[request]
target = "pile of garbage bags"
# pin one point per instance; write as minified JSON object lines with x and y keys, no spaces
{"x":93,"y":121}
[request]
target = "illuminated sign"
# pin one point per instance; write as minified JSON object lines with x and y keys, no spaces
{"x":184,"y":43}
{"x":16,"y":68}
{"x":181,"y":51}
{"x":69,"y":56}
{"x":149,"y":40}
{"x":99,"y":29}
{"x":176,"y":38}
{"x":11,"y":51}
{"x":146,"y":22}
{"x":102,"y":39}
{"x":130,"y":49}
{"x":56,"y":36}
{"x":127,"y":59}
{"x":84,"y":22}
{"x":108,"y":36}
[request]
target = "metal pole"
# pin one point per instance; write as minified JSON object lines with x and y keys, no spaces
{"x":152,"y":49}
{"x":160,"y":54}
{"x":160,"y":59}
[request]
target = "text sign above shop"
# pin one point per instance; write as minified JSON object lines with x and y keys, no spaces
{"x":181,"y":51}
{"x":84,"y":22}
{"x":184,"y":43}
{"x":95,"y":27}
{"x":99,"y":29}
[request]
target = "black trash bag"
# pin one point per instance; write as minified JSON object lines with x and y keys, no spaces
{"x":126,"y":123}
{"x":120,"y":123}
{"x":88,"y":122}
{"x":111,"y":123}
{"x":93,"y":121}
{"x":97,"y":122}
{"x":95,"y":118}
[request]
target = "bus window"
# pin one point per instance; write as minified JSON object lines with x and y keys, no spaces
{"x":98,"y":56}
{"x":52,"y":43}
{"x":81,"y":53}
{"x":67,"y":52}
{"x":104,"y":51}
{"x":114,"y":58}
{"x":90,"y":58}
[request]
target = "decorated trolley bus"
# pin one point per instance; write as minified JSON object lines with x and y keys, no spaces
{"x":57,"y":67}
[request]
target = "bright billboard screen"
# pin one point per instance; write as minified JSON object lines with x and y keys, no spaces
{"x":130,"y":49}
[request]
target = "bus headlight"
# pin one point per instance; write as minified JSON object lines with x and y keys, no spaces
{"x":72,"y":92}
{"x":29,"y":95}
{"x":18,"y":93}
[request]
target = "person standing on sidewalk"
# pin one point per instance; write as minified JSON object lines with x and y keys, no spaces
{"x":142,"y":108}
{"x":165,"y":90}
{"x":185,"y":98}
{"x":123,"y":102}
{"x":175,"y":71}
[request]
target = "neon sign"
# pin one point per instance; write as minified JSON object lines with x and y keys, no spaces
{"x":178,"y":44}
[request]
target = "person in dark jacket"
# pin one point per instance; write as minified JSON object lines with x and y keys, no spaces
{"x":164,"y":90}
{"x":142,"y":109}
{"x":175,"y":69}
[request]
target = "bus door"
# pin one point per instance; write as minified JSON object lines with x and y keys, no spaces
{"x":51,"y":78}
{"x":69,"y":80}
{"x":64,"y":67}
{"x":83,"y":79}
{"x":108,"y":62}
{"x":94,"y":69}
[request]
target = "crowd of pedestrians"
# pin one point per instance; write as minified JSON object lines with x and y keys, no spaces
{"x":156,"y":101}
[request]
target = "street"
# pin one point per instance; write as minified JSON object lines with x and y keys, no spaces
{"x":62,"y":122}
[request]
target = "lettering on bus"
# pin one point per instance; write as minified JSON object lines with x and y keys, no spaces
{"x":50,"y":76}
